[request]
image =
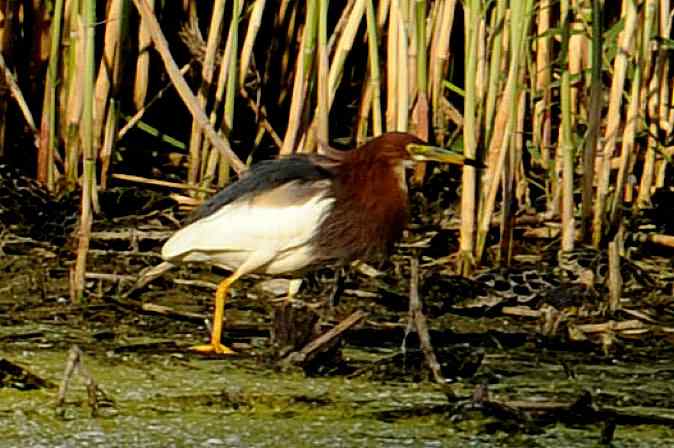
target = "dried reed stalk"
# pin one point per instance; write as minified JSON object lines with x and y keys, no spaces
{"x":198,"y":151}
{"x":182,"y":87}
{"x":142,"y":63}
{"x":566,"y":145}
{"x":613,"y":118}
{"x":472,"y":13}
{"x":439,"y":56}
{"x":48,"y":129}
{"x":72,"y":98}
{"x":658,"y":101}
{"x":88,"y":154}
{"x":594,"y":124}
{"x":371,"y":98}
{"x":110,"y":66}
{"x":254,"y":23}
{"x":323,"y":109}
{"x":303,"y":66}
{"x":542,"y":116}
{"x":494,"y":81}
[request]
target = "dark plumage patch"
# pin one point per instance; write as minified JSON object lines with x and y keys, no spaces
{"x":265,"y":176}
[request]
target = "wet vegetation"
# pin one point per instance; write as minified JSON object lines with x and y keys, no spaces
{"x":545,"y":280}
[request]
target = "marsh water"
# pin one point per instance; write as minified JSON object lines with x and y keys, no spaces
{"x":157,"y":394}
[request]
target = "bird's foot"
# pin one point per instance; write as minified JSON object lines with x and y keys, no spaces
{"x":218,"y":348}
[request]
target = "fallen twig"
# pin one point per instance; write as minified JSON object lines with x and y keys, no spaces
{"x":418,"y":319}
{"x":314,"y":346}
{"x":75,"y":364}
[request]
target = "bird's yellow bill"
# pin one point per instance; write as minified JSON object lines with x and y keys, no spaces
{"x":427,"y":153}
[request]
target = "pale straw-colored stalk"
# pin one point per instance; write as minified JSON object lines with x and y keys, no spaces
{"x":402,"y":74}
{"x":254,"y":23}
{"x":142,"y":64}
{"x":109,"y":68}
{"x":421,"y":105}
{"x":89,"y":160}
{"x":392,"y":62}
{"x":75,"y":30}
{"x":48,"y":128}
{"x":197,"y":154}
{"x":439,"y":56}
{"x":658,"y":109}
{"x":566,"y":146}
{"x":342,"y":50}
{"x":506,"y":115}
{"x":303,"y":66}
{"x":323,"y":109}
{"x":613,"y":118}
{"x":223,"y":93}
{"x":472,"y":13}
{"x":183,"y":88}
{"x":494,"y":82}
{"x":542,"y":117}
{"x":594,"y":124}
{"x":638,"y":96}
{"x":577,"y":56}
{"x":373,"y":88}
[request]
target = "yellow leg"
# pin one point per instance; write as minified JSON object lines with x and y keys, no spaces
{"x":216,"y":346}
{"x":293,"y":288}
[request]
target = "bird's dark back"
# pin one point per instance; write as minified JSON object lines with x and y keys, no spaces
{"x":265,"y":176}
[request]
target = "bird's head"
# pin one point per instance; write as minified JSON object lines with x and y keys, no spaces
{"x":407,"y":148}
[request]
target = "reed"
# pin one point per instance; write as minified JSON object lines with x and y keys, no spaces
{"x":88,"y":154}
{"x":272,"y":76}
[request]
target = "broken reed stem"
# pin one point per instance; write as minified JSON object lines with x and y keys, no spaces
{"x":133,"y":121}
{"x":615,"y":281}
{"x":75,"y":364}
{"x":20,"y":100}
{"x":183,"y":88}
{"x":89,"y":160}
{"x":417,"y":319}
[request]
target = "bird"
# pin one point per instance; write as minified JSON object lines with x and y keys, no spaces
{"x":297,"y":212}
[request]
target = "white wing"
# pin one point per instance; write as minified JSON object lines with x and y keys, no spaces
{"x":268,"y":238}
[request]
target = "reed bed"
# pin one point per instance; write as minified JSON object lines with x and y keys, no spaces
{"x":568,"y":103}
